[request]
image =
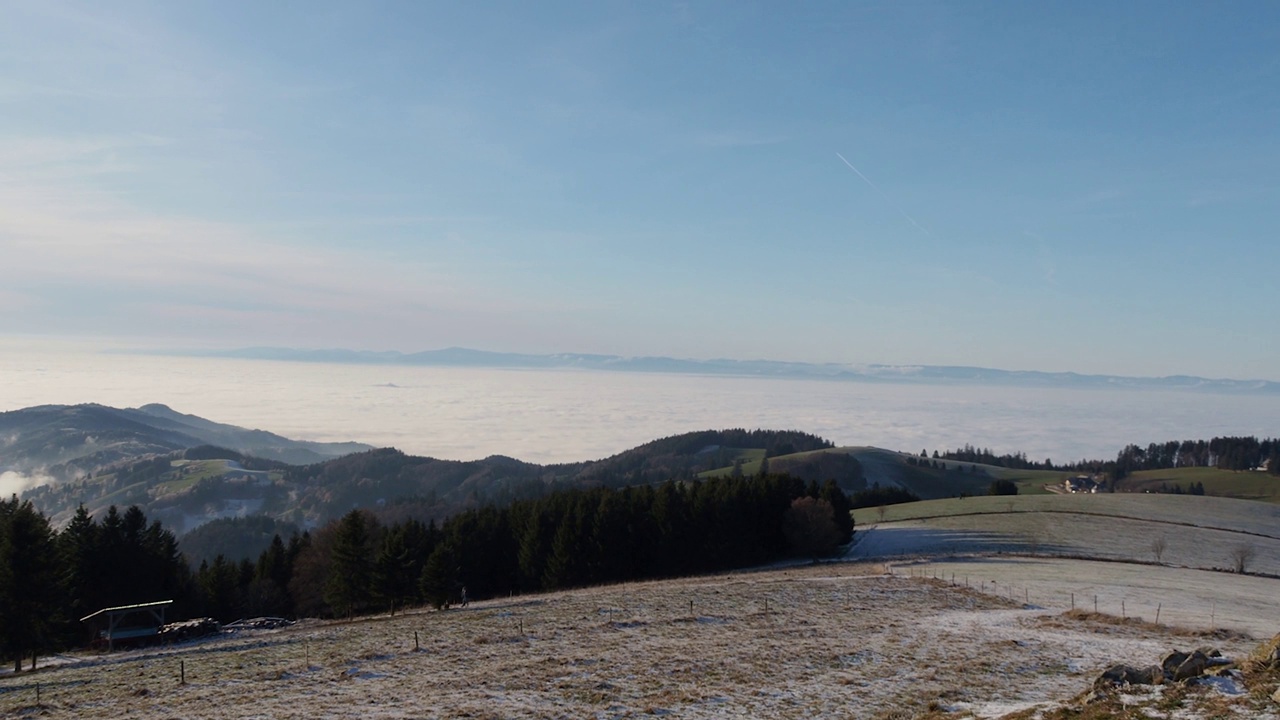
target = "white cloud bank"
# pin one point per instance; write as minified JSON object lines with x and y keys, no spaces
{"x":15,"y":483}
{"x":566,"y":416}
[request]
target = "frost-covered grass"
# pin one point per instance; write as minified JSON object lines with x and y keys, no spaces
{"x":1213,"y":512}
{"x":1187,"y":601}
{"x":839,"y":640}
{"x":1052,"y":534}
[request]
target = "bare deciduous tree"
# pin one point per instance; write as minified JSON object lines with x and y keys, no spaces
{"x":1241,"y":555}
{"x":1158,"y":545}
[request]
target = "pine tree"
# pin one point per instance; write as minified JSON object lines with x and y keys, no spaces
{"x":842,"y":508}
{"x":350,"y":576}
{"x":28,"y":579}
{"x":394,"y":578}
{"x":79,"y":565}
{"x":440,"y":576}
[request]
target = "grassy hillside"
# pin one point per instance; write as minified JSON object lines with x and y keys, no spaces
{"x":1197,"y":532}
{"x":1246,"y":484}
{"x":895,"y":469}
{"x":1222,"y":513}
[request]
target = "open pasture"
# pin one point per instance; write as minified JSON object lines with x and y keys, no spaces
{"x":1136,"y":553}
{"x":832,"y":641}
{"x":1246,"y":484}
{"x":1229,"y":514}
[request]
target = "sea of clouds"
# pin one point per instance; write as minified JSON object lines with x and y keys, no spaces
{"x":565,"y":415}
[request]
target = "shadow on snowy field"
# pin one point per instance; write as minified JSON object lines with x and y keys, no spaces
{"x":881,"y":542}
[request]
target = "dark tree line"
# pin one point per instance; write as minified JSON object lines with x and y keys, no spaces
{"x":48,"y":580}
{"x":876,"y":496}
{"x":568,"y":539}
{"x":984,"y":456}
{"x":1226,"y":453}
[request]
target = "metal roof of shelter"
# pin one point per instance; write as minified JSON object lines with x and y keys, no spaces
{"x":124,"y":609}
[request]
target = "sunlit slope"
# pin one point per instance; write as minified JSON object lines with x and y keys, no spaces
{"x":895,"y":469}
{"x":1245,"y":484}
{"x":1191,"y":531}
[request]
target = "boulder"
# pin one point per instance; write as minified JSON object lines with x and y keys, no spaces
{"x":1171,"y":662}
{"x":1276,"y":695}
{"x":1192,"y":667}
{"x":1130,"y":675}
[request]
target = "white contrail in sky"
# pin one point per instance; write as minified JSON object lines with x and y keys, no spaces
{"x":886,"y":197}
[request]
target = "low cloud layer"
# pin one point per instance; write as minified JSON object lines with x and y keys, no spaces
{"x":15,"y":483}
{"x":566,"y":416}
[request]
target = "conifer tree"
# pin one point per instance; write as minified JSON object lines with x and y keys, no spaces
{"x":350,"y":576}
{"x":841,"y":507}
{"x":440,"y":576}
{"x":28,"y":579}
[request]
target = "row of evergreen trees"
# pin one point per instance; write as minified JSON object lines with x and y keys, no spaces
{"x":48,"y":580}
{"x":568,"y":539}
{"x":1227,"y":453}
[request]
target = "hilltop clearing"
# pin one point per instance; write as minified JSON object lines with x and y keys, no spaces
{"x":838,"y":640}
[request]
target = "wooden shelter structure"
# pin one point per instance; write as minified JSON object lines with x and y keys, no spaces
{"x":128,"y":622}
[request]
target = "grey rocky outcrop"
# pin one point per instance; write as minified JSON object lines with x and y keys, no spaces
{"x":1131,"y":675}
{"x":1177,"y":666}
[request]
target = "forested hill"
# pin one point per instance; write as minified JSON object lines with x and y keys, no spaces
{"x":692,"y":453}
{"x":187,"y":488}
{"x":410,"y":486}
{"x":63,"y":442}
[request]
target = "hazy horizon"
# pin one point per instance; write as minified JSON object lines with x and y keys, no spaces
{"x":569,"y":415}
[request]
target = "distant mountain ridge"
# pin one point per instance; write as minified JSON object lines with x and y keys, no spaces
{"x":935,"y":374}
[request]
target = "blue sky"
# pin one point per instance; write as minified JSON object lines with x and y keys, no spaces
{"x":1074,"y":186}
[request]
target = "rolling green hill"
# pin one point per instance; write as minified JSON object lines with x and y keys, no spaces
{"x":1244,"y":484}
{"x":888,"y":468}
